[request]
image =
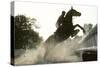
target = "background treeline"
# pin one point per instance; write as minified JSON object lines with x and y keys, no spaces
{"x":25,"y":36}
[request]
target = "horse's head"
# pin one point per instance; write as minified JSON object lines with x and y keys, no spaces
{"x":73,"y":12}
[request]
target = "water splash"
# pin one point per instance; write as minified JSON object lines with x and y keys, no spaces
{"x":62,"y":52}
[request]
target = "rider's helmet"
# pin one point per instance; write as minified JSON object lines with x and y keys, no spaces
{"x":63,"y":12}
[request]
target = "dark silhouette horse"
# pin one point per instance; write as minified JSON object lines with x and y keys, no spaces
{"x":66,"y":29}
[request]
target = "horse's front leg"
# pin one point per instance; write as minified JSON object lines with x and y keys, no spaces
{"x":77,"y":25}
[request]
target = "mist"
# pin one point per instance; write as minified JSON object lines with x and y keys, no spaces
{"x":62,"y":52}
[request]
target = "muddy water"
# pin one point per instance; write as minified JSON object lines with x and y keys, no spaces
{"x":62,"y":52}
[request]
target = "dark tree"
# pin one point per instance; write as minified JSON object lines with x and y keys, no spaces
{"x":25,"y":36}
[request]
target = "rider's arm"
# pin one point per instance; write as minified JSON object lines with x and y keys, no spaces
{"x":58,"y":23}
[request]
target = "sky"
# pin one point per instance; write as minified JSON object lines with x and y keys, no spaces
{"x":48,"y":13}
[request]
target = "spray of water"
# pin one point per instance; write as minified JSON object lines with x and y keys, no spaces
{"x":62,"y":52}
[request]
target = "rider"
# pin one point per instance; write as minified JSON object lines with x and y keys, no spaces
{"x":60,"y":19}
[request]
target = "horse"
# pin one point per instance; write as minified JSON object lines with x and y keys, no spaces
{"x":63,"y":32}
{"x":66,"y":29}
